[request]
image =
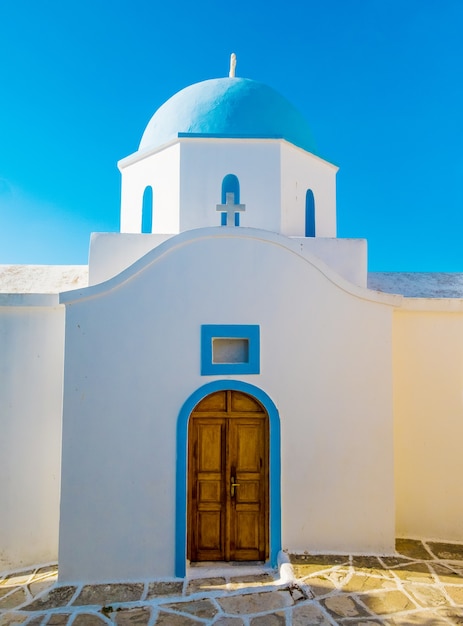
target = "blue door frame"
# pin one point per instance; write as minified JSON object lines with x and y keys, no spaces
{"x":181,"y":470}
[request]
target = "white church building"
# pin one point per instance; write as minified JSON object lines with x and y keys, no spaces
{"x":221,"y":384}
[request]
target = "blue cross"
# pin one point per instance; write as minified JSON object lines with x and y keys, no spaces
{"x":230,"y":208}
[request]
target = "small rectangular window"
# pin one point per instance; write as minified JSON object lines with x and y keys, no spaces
{"x":230,"y":350}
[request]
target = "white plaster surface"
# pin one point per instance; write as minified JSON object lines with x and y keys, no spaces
{"x":428,"y":410}
{"x":42,"y":278}
{"x":111,"y":253}
{"x":133,"y":358}
{"x":187,"y":176}
{"x":347,"y":257}
{"x":301,"y":171}
{"x":31,"y":377}
{"x":160,"y":170}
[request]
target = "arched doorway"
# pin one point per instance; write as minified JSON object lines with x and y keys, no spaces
{"x":228,"y":479}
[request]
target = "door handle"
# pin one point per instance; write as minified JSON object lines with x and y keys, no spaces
{"x":232,"y":486}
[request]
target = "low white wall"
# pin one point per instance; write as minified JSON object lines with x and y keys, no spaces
{"x":31,"y":366}
{"x":111,"y":253}
{"x":428,"y":409}
{"x":133,"y":358}
{"x":347,"y":257}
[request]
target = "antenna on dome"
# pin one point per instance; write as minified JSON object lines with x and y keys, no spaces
{"x":232,"y":65}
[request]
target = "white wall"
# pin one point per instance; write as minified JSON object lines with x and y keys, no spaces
{"x":110,"y":253}
{"x":31,"y":366}
{"x":428,"y":408}
{"x":347,"y":257}
{"x":160,"y":170}
{"x":187,"y":176}
{"x":301,"y":171}
{"x":133,"y":358}
{"x":204,"y":164}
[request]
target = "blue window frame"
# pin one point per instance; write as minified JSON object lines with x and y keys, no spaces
{"x":241,"y":342}
{"x":309,"y":214}
{"x":147,"y":211}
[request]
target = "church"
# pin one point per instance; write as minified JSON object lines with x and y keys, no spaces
{"x":225,"y":381}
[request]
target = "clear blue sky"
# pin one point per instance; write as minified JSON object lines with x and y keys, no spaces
{"x":379,"y":81}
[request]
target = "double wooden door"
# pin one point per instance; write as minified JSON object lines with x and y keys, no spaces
{"x":228,"y":490}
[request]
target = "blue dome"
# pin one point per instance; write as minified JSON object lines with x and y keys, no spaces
{"x":227,"y":107}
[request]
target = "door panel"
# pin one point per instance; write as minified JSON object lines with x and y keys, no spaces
{"x":228,"y":443}
{"x":207,"y":464}
{"x":247,"y":441}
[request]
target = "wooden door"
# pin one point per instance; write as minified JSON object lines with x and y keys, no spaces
{"x":228,"y":489}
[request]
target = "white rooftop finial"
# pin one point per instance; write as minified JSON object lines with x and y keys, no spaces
{"x":232,"y":65}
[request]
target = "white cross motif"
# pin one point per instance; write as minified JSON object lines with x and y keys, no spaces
{"x":230,"y":208}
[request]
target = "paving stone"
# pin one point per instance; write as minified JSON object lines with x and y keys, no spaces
{"x":456,"y":593}
{"x":361,"y":583}
{"x":253,"y":580}
{"x":48,"y":570}
{"x":58,"y":619}
{"x":417,"y":618}
{"x":225,"y":620}
{"x":88,"y":619}
{"x":387,"y":602}
{"x":343,"y":606}
{"x":168,"y":619}
{"x":17,"y":579}
{"x":197,"y":585}
{"x":300,"y":571}
{"x":200,"y":608}
{"x":412,"y":548}
{"x":379,"y":573}
{"x":337,"y":577}
{"x":447,"y":575}
{"x":56,"y":597}
{"x":103,"y":595}
{"x":138,"y":616}
{"x":170,"y":588}
{"x":318,"y":559}
{"x":12,"y":619}
{"x":361,"y":621}
{"x":43,"y":578}
{"x":14,"y":599}
{"x":454,"y":614}
{"x":447,"y":551}
{"x":367,"y":562}
{"x":35,"y":588}
{"x":427,"y":595}
{"x":319,"y":586}
{"x":271,"y":619}
{"x":256,"y":602}
{"x":309,"y":615}
{"x":394,"y":561}
{"x":415,"y":572}
{"x":37,"y":621}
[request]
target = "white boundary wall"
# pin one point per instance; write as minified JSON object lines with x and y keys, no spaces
{"x":428,"y":423}
{"x":31,"y":378}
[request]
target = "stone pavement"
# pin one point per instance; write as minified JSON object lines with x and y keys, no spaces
{"x":421,"y":585}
